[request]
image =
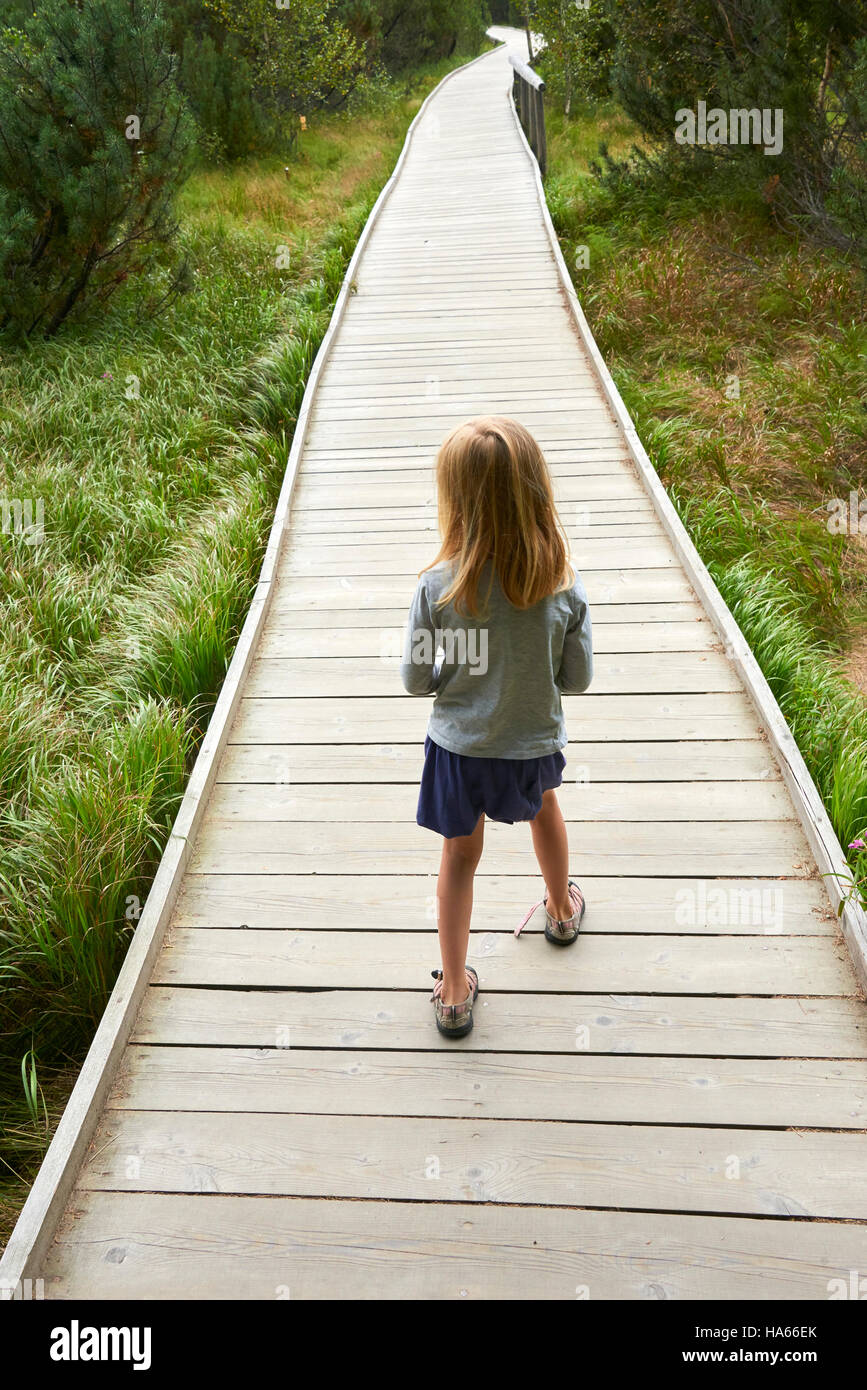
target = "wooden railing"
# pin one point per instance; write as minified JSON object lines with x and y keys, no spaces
{"x":527,"y":93}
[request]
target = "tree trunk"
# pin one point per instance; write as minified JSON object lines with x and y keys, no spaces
{"x":567,"y":64}
{"x":78,"y":287}
{"x":826,"y":75}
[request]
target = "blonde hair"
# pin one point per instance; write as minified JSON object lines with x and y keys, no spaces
{"x":496,"y":504}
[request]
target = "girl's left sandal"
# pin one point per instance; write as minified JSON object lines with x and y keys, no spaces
{"x":564,"y":933}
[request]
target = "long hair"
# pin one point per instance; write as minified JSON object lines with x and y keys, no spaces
{"x":496,"y":505}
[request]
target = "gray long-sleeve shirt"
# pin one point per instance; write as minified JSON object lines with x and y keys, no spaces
{"x":499,"y":677}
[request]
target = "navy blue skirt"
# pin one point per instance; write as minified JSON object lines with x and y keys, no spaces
{"x":456,"y":789}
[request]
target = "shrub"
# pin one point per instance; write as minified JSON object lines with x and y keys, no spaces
{"x":94,"y":139}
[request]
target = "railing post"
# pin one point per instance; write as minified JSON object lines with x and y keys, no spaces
{"x":527,"y":94}
{"x":542,"y":146}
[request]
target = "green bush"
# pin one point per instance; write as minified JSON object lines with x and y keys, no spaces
{"x":217,"y":83}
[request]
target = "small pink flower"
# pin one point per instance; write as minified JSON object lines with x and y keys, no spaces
{"x":106,"y":374}
{"x":857,"y":844}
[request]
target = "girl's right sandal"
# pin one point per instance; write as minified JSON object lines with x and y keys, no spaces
{"x":454,"y":1020}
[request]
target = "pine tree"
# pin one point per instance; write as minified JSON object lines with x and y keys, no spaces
{"x":806,"y":59}
{"x":218,"y":84}
{"x":94,"y":139}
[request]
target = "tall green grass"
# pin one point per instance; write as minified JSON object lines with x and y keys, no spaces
{"x":826,"y":714}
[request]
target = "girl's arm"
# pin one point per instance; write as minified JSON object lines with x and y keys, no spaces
{"x":418,"y":669}
{"x":576,"y":666}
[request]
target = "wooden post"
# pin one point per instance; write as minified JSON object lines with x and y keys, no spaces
{"x":542,"y":147}
{"x":527,"y":94}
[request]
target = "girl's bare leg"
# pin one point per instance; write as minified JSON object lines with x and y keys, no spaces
{"x":552,"y":851}
{"x":454,"y":908}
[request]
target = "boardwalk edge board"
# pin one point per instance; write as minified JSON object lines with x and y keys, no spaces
{"x":53,"y":1184}
{"x":809,"y":806}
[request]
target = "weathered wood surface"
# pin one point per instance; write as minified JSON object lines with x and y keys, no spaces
{"x":627,"y":1114}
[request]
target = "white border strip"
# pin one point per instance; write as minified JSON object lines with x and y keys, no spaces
{"x":45,"y":1203}
{"x":811,"y":810}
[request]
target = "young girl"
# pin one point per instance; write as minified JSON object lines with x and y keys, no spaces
{"x":505,"y":607}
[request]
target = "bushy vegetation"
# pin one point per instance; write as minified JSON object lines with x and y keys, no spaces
{"x":252,"y":69}
{"x":803,"y":63}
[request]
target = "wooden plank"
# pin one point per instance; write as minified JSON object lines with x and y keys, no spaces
{"x":726,"y":714}
{"x":559,"y":449}
{"x":554,"y":1164}
{"x":600,"y":459}
{"x":565,"y":437}
{"x":345,"y":530}
{"x":609,"y":802}
{"x":308,"y":560}
{"x":402,"y":446}
{"x":473,"y":365}
{"x":569,"y":417}
{"x":603,"y":586}
{"x":618,"y":674}
{"x":179,"y":1247}
{"x":507,"y":349}
{"x":501,"y":352}
{"x":410,"y":221}
{"x":392,"y":284}
{"x":596,"y":471}
{"x":386,"y":960}
{"x":666,"y":905}
{"x":698,"y":848}
{"x":582,"y":511}
{"x":340,"y":1019}
{"x":311,"y":902}
{"x":695,"y":760}
{"x":607,"y":615}
{"x":559,"y":423}
{"x":304,"y":645}
{"x":352,"y":378}
{"x":585,"y":1087}
{"x":582,"y":419}
{"x":415,"y":245}
{"x":347,"y":492}
{"x":463,"y":307}
{"x":366,"y":382}
{"x":452,"y":331}
{"x":403,"y":461}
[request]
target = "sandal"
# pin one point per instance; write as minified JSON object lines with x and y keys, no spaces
{"x":565,"y":932}
{"x":454,"y":1020}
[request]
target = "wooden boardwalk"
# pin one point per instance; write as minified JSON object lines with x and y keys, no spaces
{"x":673,"y":1108}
